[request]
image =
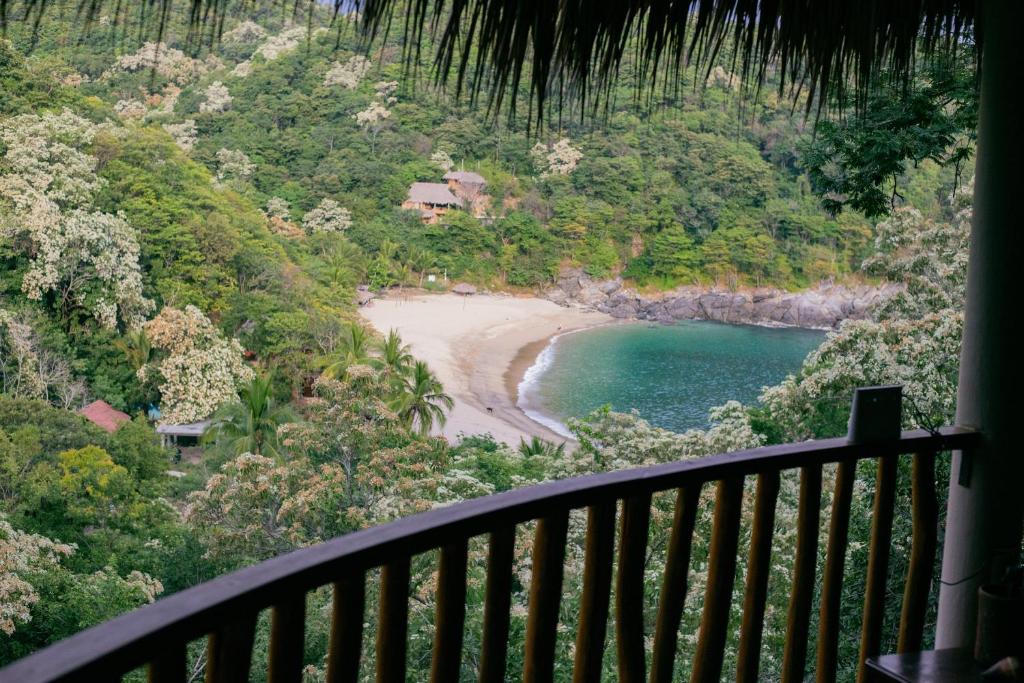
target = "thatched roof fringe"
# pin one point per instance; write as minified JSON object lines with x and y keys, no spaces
{"x":573,"y":49}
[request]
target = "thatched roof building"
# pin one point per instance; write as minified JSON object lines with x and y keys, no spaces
{"x":465,"y":178}
{"x":104,"y":415}
{"x":433,"y":194}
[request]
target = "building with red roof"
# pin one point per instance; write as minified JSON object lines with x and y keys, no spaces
{"x":104,"y":415}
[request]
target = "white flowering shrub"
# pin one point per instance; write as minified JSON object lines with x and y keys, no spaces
{"x":86,"y":258}
{"x":385,"y":91}
{"x":372,"y":116}
{"x":45,"y":156}
{"x":233,"y":164}
{"x":373,"y":120}
{"x":90,"y":259}
{"x":349,"y":74}
{"x":218,"y":99}
{"x":328,"y":216}
{"x":130,"y":109}
{"x":443,"y":160}
{"x":168,"y":62}
{"x":914,"y":339}
{"x":561,"y":158}
{"x":278,"y":208}
{"x":185,"y":133}
{"x":283,"y":43}
{"x":23,"y":556}
{"x":245,"y":32}
{"x":242,"y":69}
{"x":201,"y":370}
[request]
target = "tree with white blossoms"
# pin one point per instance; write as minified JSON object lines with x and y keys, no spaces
{"x":130,"y":109}
{"x":372,"y":120}
{"x":283,"y":43}
{"x":328,"y":216}
{"x":167,"y":62}
{"x":29,"y":565}
{"x":278,"y":208}
{"x":185,"y":133}
{"x":242,"y":69}
{"x":201,"y":370}
{"x":385,"y":91}
{"x":348,"y":74}
{"x":442,"y":159}
{"x":914,"y":339}
{"x":233,"y":164}
{"x":85,"y":259}
{"x":218,"y":99}
{"x":23,"y":556}
{"x":245,"y":32}
{"x":560,"y":158}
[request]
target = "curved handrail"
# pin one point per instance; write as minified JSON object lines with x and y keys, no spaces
{"x":127,"y":641}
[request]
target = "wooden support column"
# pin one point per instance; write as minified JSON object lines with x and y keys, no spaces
{"x":983,"y":524}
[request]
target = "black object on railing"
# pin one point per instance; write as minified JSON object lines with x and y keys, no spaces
{"x":225,"y":609}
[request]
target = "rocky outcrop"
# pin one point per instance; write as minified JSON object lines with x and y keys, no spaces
{"x":823,"y":307}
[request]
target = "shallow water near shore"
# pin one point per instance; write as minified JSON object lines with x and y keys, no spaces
{"x":671,"y":374}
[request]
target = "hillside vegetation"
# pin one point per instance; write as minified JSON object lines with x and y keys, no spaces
{"x":187,"y":232}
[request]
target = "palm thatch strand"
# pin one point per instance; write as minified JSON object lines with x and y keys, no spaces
{"x":573,"y":49}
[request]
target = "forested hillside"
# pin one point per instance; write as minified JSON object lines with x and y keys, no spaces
{"x":187,"y":230}
{"x":698,"y":187}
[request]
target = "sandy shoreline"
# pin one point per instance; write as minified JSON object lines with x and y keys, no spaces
{"x":480,"y":347}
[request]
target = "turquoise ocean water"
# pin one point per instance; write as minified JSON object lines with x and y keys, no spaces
{"x":671,"y":374}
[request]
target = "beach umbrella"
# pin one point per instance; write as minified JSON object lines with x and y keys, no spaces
{"x":465,"y":289}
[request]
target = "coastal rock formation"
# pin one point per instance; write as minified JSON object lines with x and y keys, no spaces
{"x":822,"y":307}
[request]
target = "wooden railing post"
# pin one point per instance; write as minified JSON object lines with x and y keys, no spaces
{"x":878,"y":563}
{"x":674,"y":584}
{"x":287,"y":632}
{"x":755,"y":594}
{"x":794,"y":654}
{"x":725,"y":533}
{"x":229,"y":651}
{"x":597,"y":587}
{"x":393,"y":621}
{"x":545,"y":597}
{"x":925,"y":514}
{"x":497,"y":603}
{"x":832,"y":583}
{"x":346,"y":644}
{"x":169,"y":667}
{"x":629,"y":588}
{"x":451,"y":613}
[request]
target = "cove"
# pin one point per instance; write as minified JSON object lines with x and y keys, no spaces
{"x":671,"y":374}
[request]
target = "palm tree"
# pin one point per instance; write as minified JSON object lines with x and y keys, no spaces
{"x":418,"y":260}
{"x":423,"y":402}
{"x":250,"y":424}
{"x":395,"y":361}
{"x":354,"y":350}
{"x":136,"y":348}
{"x":538,"y":446}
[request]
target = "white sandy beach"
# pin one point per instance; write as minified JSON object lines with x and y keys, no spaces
{"x":479,"y":347}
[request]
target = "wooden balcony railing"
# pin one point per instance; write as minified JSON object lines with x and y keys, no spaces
{"x":225,"y":610}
